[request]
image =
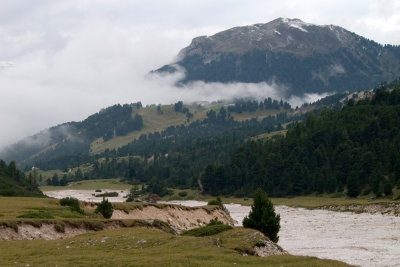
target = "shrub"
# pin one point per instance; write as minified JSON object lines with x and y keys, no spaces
{"x":213,"y":202}
{"x":108,"y":194}
{"x":105,"y":208}
{"x":37,"y":215}
{"x":262,"y":217}
{"x":73,"y":203}
{"x":214,"y":222}
{"x":217,"y":202}
{"x":208,"y":230}
{"x":182,"y":194}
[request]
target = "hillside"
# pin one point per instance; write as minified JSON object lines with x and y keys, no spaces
{"x":14,"y":183}
{"x":74,"y":138}
{"x":303,"y":57}
{"x":354,"y":151}
{"x":71,"y":144}
{"x":176,"y":142}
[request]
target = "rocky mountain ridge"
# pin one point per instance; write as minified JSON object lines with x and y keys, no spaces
{"x":304,"y":57}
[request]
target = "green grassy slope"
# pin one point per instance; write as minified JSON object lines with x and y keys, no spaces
{"x":155,"y":122}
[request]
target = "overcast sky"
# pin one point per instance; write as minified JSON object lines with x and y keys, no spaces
{"x":64,"y":60}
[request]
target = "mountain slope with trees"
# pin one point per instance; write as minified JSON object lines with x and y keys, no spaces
{"x":71,"y":141}
{"x":13,"y":182}
{"x":356,"y":150}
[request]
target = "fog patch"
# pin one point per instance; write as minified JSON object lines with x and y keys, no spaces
{"x":328,"y":72}
{"x":6,"y":64}
{"x":166,"y":88}
{"x":296,"y":101}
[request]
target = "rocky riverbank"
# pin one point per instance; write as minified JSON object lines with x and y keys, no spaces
{"x":392,"y":209}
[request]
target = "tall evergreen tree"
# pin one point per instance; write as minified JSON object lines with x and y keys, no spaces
{"x":262,"y":216}
{"x":353,"y":185}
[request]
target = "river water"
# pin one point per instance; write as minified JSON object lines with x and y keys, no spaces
{"x":358,"y":239}
{"x":88,"y":195}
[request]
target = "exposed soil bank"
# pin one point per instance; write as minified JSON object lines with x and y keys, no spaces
{"x":46,"y":231}
{"x":51,"y":230}
{"x":169,"y":218}
{"x":177,"y":217}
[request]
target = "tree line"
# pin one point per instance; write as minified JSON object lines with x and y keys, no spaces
{"x":14,"y":182}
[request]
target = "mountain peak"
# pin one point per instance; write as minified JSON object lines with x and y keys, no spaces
{"x":290,"y":35}
{"x":305,"y":57}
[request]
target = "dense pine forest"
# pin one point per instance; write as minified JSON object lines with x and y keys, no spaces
{"x":356,"y":150}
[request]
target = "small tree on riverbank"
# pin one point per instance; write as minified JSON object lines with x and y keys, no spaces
{"x":105,"y":208}
{"x":262,"y":217}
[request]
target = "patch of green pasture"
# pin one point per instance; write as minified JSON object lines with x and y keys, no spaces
{"x":266,"y":136}
{"x":13,"y":208}
{"x":152,"y":122}
{"x":114,"y":184}
{"x":258,"y":114}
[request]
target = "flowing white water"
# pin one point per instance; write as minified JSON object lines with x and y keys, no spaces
{"x":359,"y":239}
{"x":88,"y":195}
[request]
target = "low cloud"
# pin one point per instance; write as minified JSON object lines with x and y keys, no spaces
{"x":296,"y":101}
{"x":65,"y":60}
{"x":6,"y":64}
{"x":165,"y":85}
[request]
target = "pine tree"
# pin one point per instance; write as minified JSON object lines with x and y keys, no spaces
{"x":353,"y":185}
{"x":262,"y":217}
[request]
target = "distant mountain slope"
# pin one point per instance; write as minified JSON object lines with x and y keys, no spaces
{"x":74,"y":138}
{"x":71,"y":144}
{"x":304,"y":57}
{"x":133,"y":130}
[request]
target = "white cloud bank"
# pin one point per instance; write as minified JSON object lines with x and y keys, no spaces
{"x":64,"y":60}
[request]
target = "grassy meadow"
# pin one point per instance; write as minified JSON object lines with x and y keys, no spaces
{"x":130,"y":246}
{"x":146,"y":247}
{"x":114,"y":184}
{"x":155,"y":122}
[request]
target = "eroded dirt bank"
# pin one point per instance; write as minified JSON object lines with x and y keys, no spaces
{"x":52,"y":230}
{"x":179,"y":218}
{"x":168,"y":218}
{"x":46,"y":231}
